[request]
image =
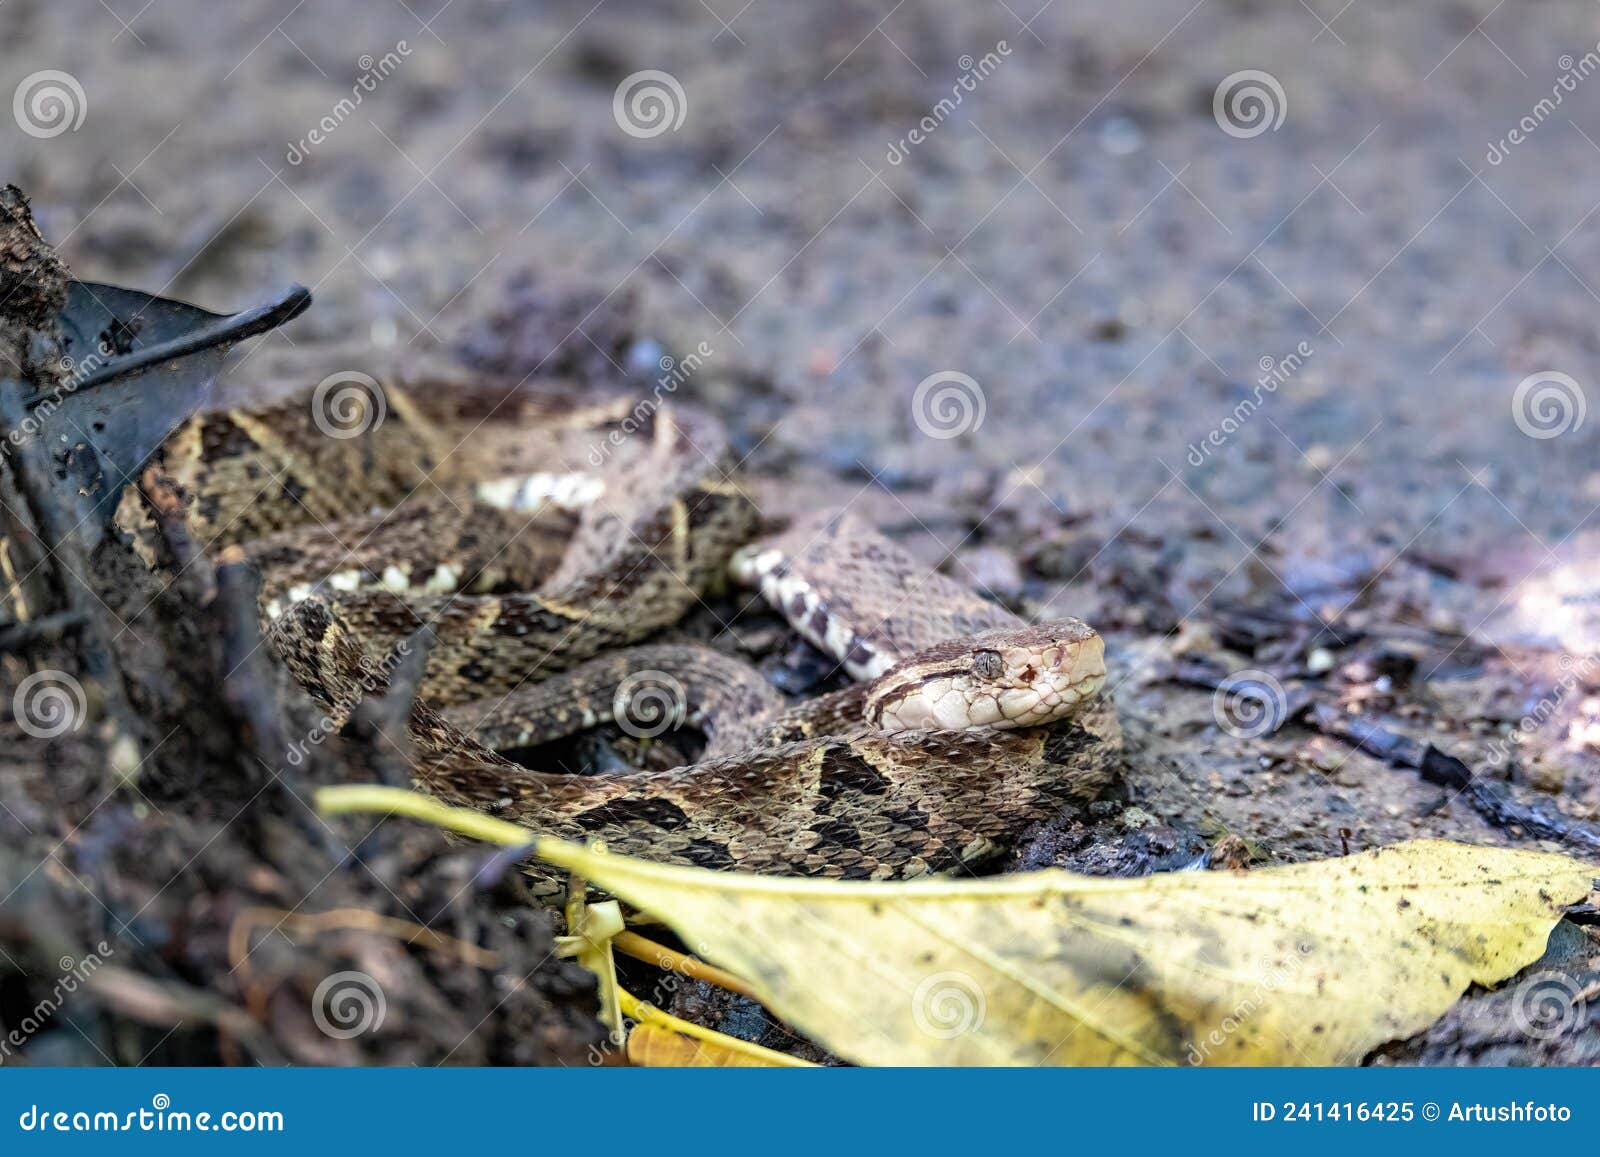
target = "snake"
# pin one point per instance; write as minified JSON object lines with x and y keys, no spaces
{"x":542,"y":539}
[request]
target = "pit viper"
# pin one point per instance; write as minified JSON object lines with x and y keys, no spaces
{"x":543,"y":538}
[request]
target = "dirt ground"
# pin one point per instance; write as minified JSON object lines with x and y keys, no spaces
{"x":1299,"y":394}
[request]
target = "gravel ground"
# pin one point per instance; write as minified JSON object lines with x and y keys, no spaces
{"x":1209,"y":375}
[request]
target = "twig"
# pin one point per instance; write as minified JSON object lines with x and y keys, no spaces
{"x":39,"y":632}
{"x":172,"y":1005}
{"x":250,"y":691}
{"x":381,"y":722}
{"x":28,"y":335}
{"x":1492,"y":801}
{"x":636,"y":946}
{"x":248,"y":687}
{"x":56,"y":516}
{"x":36,"y":931}
{"x":359,"y":919}
{"x":192,"y":570}
{"x":1208,"y":677}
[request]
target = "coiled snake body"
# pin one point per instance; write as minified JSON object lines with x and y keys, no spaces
{"x":481,"y":514}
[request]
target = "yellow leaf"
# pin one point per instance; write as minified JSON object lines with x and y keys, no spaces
{"x":715,"y":1048}
{"x":1308,"y":964}
{"x":654,"y":1046}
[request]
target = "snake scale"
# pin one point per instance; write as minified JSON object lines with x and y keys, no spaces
{"x":481,"y":512}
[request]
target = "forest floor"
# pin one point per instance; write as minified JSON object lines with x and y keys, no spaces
{"x":1246,"y":401}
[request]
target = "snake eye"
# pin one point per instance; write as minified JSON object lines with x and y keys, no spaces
{"x":987,"y":664}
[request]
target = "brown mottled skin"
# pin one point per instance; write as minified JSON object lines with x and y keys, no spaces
{"x":815,"y":788}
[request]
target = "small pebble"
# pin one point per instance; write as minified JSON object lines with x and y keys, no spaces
{"x":1121,"y":136}
{"x":821,"y":362}
{"x":1320,"y":457}
{"x":1323,"y":756}
{"x":1550,"y":778}
{"x":643,"y":358}
{"x":1195,"y":638}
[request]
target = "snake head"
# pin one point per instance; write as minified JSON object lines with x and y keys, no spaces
{"x":1024,"y":677}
